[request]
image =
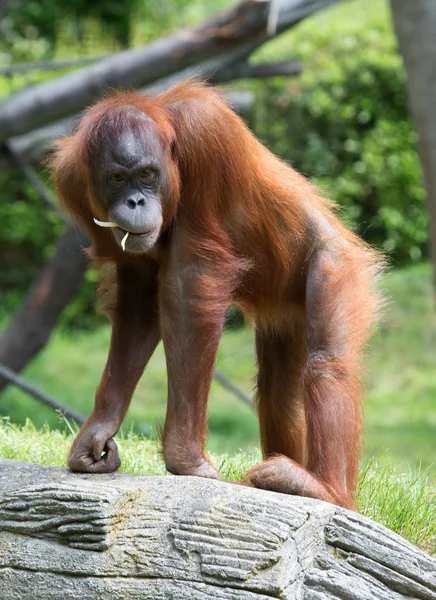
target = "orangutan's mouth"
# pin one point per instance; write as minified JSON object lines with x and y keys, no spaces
{"x":112,"y":225}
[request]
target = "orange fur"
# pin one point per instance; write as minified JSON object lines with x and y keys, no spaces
{"x":241,"y":227}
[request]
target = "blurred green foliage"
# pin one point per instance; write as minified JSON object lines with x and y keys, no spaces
{"x":27,"y":234}
{"x":344,"y":122}
{"x":32,"y":28}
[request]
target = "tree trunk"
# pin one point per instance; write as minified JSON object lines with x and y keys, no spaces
{"x":415,"y":26}
{"x":30,"y":328}
{"x":67,"y":536}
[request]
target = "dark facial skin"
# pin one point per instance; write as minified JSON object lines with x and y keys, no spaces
{"x":132,"y":185}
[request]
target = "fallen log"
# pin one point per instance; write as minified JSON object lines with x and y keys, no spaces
{"x":72,"y":536}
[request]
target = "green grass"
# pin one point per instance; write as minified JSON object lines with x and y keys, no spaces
{"x":400,"y":398}
{"x":400,"y":402}
{"x":406,"y":503}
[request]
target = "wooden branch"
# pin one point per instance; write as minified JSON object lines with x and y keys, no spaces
{"x":227,"y":36}
{"x":10,"y":377}
{"x":34,"y":146}
{"x":285,"y":68}
{"x":75,"y":536}
{"x":30,"y":328}
{"x":53,"y":65}
{"x":231,"y":387}
{"x":415,"y":26}
{"x":245,"y":70}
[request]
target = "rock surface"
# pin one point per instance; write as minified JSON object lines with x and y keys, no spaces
{"x":71,"y":536}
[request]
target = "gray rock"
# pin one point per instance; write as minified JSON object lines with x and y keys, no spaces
{"x":71,"y":536}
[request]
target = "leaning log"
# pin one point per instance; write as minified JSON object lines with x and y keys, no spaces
{"x":30,"y":328}
{"x":67,"y":536}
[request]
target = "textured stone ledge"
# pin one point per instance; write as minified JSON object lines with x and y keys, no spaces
{"x":70,"y":536}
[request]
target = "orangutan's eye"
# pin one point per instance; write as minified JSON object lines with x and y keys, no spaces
{"x":147,"y":173}
{"x":116,"y":177}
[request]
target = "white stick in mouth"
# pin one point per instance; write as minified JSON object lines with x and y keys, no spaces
{"x":124,"y":240}
{"x":105,"y":223}
{"x":110,"y":224}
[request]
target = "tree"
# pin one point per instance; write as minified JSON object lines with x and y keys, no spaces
{"x":415,"y":26}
